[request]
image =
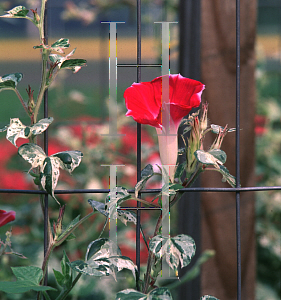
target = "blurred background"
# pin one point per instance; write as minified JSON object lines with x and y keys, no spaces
{"x":79,"y":105}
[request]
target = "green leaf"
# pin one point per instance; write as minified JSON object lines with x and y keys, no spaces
{"x":161,"y":293}
{"x":17,"y":130}
{"x":103,"y":258}
{"x":59,"y":277}
{"x":68,"y":230}
{"x":146,"y":173}
{"x":64,"y":279}
{"x":16,"y":12}
{"x":65,"y":264}
{"x":28,"y":278}
{"x":178,"y":249}
{"x":207,"y":297}
{"x":180,"y":170}
{"x":10,"y":81}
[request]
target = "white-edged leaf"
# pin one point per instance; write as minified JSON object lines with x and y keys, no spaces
{"x":207,"y":297}
{"x":219,"y":155}
{"x":69,"y":160}
{"x":146,"y":173}
{"x":41,"y":126}
{"x":226,"y":176}
{"x":57,"y":46}
{"x":177,"y":250}
{"x":103,"y":258}
{"x":49,"y":175}
{"x":49,"y":166}
{"x":33,"y":154}
{"x":123,"y":215}
{"x":216,"y":129}
{"x":126,"y":216}
{"x":161,"y":293}
{"x":16,"y":12}
{"x":17,"y":130}
{"x":206,"y":158}
{"x":116,"y":197}
{"x":10,"y":81}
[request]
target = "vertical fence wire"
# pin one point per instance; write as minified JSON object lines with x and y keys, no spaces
{"x":238,"y":231}
{"x":138,"y":141}
{"x":45,"y":197}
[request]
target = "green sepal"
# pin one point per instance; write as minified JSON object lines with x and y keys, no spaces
{"x":28,"y":278}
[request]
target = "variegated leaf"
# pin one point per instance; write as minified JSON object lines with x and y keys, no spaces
{"x":123,"y":215}
{"x":146,"y":173}
{"x":178,"y":249}
{"x":17,"y":130}
{"x":161,"y":293}
{"x":116,"y":197}
{"x":207,"y":297}
{"x":33,"y":154}
{"x":16,"y":12}
{"x":49,"y":174}
{"x":216,"y":129}
{"x":103,"y":258}
{"x":206,"y":158}
{"x":49,"y":166}
{"x":41,"y":126}
{"x":10,"y":81}
{"x":73,"y":64}
{"x":69,"y":160}
{"x":57,"y":46}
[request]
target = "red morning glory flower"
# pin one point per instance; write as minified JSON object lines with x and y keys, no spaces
{"x":143,"y":100}
{"x":6,"y":217}
{"x":144,"y":104}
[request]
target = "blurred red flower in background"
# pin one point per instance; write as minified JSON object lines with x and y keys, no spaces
{"x":6,"y":217}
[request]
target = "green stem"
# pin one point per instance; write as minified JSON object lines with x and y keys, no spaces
{"x":45,"y":54}
{"x":43,"y":85}
{"x":151,"y":257}
{"x":46,"y":295}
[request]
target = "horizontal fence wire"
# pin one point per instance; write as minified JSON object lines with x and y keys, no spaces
{"x":145,"y":191}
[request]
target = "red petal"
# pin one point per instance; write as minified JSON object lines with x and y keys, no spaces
{"x":141,"y":103}
{"x":6,"y":217}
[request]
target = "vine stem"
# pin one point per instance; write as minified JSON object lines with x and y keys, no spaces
{"x":21,"y":100}
{"x":45,"y":54}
